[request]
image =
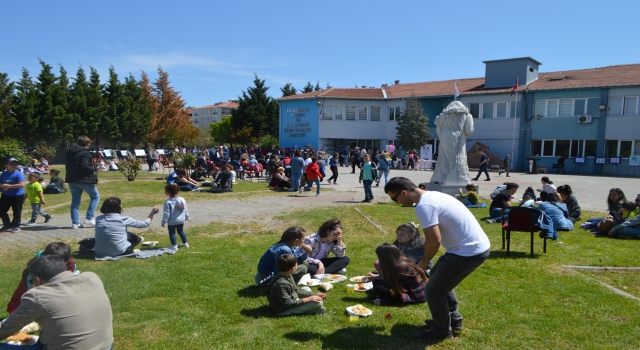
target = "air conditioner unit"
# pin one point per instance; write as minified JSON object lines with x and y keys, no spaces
{"x":584,"y":119}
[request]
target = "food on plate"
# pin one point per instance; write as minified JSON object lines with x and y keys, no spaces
{"x":358,"y":279}
{"x":336,"y":277}
{"x":361,"y":286}
{"x":20,"y":338}
{"x":326,"y":286}
{"x":359,"y":309}
{"x":309,"y":282}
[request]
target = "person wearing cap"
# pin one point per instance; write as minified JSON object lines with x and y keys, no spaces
{"x":12,"y":194}
{"x":81,"y":177}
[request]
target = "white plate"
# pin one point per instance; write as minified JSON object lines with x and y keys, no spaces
{"x":350,"y":311}
{"x":358,"y":279}
{"x":314,"y":282}
{"x":334,"y":278}
{"x":33,"y":341}
{"x":367,"y":286}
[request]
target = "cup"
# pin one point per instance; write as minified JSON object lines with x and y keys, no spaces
{"x":354,"y":318}
{"x":350,"y":288}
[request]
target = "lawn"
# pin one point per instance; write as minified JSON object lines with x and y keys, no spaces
{"x":204,"y":297}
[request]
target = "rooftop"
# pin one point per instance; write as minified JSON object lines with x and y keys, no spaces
{"x":228,"y":104}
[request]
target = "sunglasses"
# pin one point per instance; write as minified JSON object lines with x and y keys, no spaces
{"x":395,"y":198}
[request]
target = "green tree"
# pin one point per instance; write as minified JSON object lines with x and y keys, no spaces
{"x":24,"y":107}
{"x":288,"y":90}
{"x":307,"y":88}
{"x":317,"y":87}
{"x":328,"y":86}
{"x":257,"y":111}
{"x":47,"y":109}
{"x":96,"y":109}
{"x":8,"y":123}
{"x":412,"y":129}
{"x":136,"y":118}
{"x":77,"y":108}
{"x":113,"y":95}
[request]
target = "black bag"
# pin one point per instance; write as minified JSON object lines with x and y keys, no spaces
{"x":86,"y":246}
{"x":52,"y":189}
{"x":265,"y":283}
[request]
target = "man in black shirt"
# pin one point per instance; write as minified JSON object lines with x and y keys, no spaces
{"x":500,"y":201}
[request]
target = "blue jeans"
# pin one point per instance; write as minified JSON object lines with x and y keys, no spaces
{"x":76,"y":196}
{"x":296,"y":176}
{"x":386,"y":176}
{"x":483,"y":168}
{"x":495,"y":214}
{"x":368,"y":194}
{"x":632,"y":232}
{"x":446,"y":274}
{"x":172,"y":233}
{"x":310,"y":184}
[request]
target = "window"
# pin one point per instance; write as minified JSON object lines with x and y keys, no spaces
{"x":580,"y":106}
{"x":338,"y":115}
{"x":195,"y":113}
{"x":215,"y":112}
{"x":327,"y":112}
{"x":474,"y":110}
{"x":362,"y":113}
{"x":501,"y":110}
{"x":375,"y":114}
{"x":487,"y":110}
{"x":394,"y":112}
{"x":618,"y":148}
{"x":563,"y":148}
{"x":627,"y":105}
{"x":351,"y":113}
{"x":566,"y":108}
{"x":560,"y":108}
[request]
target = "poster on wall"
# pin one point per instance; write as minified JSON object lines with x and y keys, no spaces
{"x":634,"y":161}
{"x":425,"y":152}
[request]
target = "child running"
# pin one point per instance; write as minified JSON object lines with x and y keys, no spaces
{"x":175,"y":213}
{"x":286,"y":299}
{"x":400,"y":281}
{"x":36,"y":198}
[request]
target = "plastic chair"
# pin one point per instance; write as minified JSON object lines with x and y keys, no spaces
{"x":520,"y":219}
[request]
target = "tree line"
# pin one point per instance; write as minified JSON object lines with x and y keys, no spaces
{"x":49,"y":109}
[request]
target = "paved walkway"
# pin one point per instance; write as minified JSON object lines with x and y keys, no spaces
{"x":591,"y":192}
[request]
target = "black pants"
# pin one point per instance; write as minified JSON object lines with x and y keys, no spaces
{"x":353,"y":165}
{"x":483,"y":168}
{"x":331,"y":265}
{"x":334,"y":173}
{"x":573,"y":216}
{"x":150,"y":162}
{"x":15,"y":203}
{"x":381,"y":291}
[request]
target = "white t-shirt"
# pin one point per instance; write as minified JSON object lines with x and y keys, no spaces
{"x":460,"y":231}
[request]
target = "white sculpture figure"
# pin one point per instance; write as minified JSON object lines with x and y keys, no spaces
{"x":454,"y":125}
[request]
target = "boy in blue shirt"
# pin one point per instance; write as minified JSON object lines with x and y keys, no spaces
{"x":12,"y":193}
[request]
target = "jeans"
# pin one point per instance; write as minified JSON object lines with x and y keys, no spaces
{"x":296,"y":176}
{"x":386,"y":176}
{"x":310,"y":184}
{"x":172,"y":233}
{"x":464,"y":201}
{"x":15,"y":203}
{"x":483,"y":168}
{"x":368,"y":194}
{"x":632,"y":232}
{"x":446,"y":274}
{"x":495,"y":214}
{"x":35,"y":210}
{"x":76,"y":197}
{"x":331,"y":265}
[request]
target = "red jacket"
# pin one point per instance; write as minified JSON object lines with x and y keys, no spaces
{"x":22,"y":286}
{"x":313,"y":172}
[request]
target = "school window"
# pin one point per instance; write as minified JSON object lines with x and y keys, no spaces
{"x":326,"y":112}
{"x":627,"y":105}
{"x":501,"y":110}
{"x":474,"y":110}
{"x":560,"y":108}
{"x":195,"y":113}
{"x":351,"y":113}
{"x":394,"y":113}
{"x":487,"y":110}
{"x":563,"y":148}
{"x":375,"y":114}
{"x":338,"y":113}
{"x":363,"y":113}
{"x":618,"y":148}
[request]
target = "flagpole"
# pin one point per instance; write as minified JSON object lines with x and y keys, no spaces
{"x":515,"y":113}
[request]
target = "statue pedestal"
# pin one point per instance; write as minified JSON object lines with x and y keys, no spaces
{"x":448,"y":189}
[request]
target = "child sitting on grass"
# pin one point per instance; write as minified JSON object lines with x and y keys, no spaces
{"x":408,"y":242}
{"x":401,"y":281}
{"x":36,"y":198}
{"x":175,"y":213}
{"x":285,"y":297}
{"x":56,"y":183}
{"x":292,"y":237}
{"x":55,"y":248}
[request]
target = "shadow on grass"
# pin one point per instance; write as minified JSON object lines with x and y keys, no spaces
{"x":258,"y":312}
{"x":502,"y":254}
{"x":251,"y":291}
{"x":366,"y":337}
{"x":353,"y":202}
{"x":86,"y":256}
{"x":43,"y":228}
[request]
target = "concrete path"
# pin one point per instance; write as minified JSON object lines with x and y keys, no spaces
{"x":591,"y":192}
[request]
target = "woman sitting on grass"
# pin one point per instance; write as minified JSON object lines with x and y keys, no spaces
{"x":400,"y":280}
{"x":571,"y":202}
{"x":279,"y":180}
{"x":469,"y":198}
{"x":327,"y":240}
{"x":614,"y":203}
{"x":629,"y":228}
{"x":291,"y":238}
{"x":112,"y":237}
{"x":556,"y":212}
{"x":184,"y":182}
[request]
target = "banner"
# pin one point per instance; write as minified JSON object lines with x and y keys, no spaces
{"x":425,"y":152}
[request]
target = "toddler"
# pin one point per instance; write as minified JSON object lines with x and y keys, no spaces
{"x":175,"y":213}
{"x":36,"y":198}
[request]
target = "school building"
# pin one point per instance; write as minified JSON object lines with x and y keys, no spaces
{"x":591,"y":117}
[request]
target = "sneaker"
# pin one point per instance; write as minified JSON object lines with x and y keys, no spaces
{"x":342,"y":271}
{"x":335,"y":183}
{"x":15,"y":229}
{"x":88,"y":223}
{"x":300,"y":190}
{"x":455,"y":325}
{"x":474,"y":179}
{"x":5,"y":229}
{"x":487,"y":180}
{"x":491,"y":221}
{"x":75,"y":226}
{"x":174,"y":248}
{"x":366,"y":200}
{"x":508,"y":175}
{"x":29,"y":223}
{"x":46,"y":219}
{"x":318,"y":311}
{"x":432,"y":337}
{"x":318,"y":195}
{"x":184,"y":245}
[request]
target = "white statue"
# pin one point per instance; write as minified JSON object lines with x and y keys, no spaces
{"x":454,"y":125}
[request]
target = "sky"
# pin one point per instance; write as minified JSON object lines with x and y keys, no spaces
{"x":212,"y":49}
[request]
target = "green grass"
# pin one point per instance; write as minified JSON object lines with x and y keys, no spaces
{"x":204,"y":297}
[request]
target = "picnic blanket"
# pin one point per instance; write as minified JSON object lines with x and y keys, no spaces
{"x":142,"y":254}
{"x":479,"y":205}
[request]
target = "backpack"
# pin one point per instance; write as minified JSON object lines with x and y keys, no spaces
{"x":52,"y":189}
{"x":86,"y":246}
{"x":265,"y":283}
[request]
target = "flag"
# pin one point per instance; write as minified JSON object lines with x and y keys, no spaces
{"x":515,"y":87}
{"x":456,"y":93}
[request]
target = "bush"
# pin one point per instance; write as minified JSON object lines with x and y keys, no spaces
{"x":268,"y":141}
{"x":11,"y":148}
{"x":188,"y":160}
{"x":130,"y":168}
{"x":44,"y":151}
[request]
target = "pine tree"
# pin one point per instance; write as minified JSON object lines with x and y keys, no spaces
{"x":47,"y":128}
{"x":113,"y":95}
{"x":257,"y":111}
{"x":328,"y":86}
{"x":412,"y":129}
{"x":170,"y":122}
{"x":307,"y":88}
{"x":61,"y":105}
{"x":96,"y":109}
{"x":8,"y":123}
{"x":24,"y":107}
{"x":317,"y":87}
{"x":134,"y":123}
{"x":77,"y":109}
{"x":288,"y":90}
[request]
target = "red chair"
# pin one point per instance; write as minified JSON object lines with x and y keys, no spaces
{"x":250,"y":170}
{"x":520,"y":219}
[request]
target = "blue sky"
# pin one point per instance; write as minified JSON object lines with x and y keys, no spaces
{"x":211,"y":49}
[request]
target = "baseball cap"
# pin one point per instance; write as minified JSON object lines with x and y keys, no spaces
{"x":11,"y":159}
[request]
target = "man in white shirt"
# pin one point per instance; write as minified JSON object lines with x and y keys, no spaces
{"x":447,"y":222}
